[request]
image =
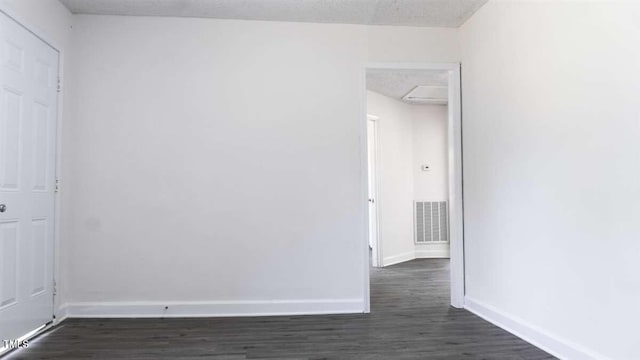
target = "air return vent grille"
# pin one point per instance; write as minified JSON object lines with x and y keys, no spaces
{"x":431,"y":221}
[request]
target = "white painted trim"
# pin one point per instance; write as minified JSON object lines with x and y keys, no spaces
{"x":377,"y":194}
{"x":364,"y":192}
{"x":454,"y":142}
{"x":396,"y":259}
{"x":455,"y":204}
{"x":551,"y":343}
{"x":417,"y":254}
{"x":156,"y":309}
{"x":50,"y":41}
{"x":61,"y":314}
{"x":432,"y":253}
{"x":413,"y":66}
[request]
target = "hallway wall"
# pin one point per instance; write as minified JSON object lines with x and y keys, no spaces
{"x":408,"y":136}
{"x":429,"y":137}
{"x":395,"y":171}
{"x":429,"y":142}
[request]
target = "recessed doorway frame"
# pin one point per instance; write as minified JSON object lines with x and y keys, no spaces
{"x":454,"y":149}
{"x":373,"y":195}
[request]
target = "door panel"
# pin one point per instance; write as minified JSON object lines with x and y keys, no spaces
{"x":28,"y":108}
{"x":10,"y":126}
{"x":9,"y":251}
{"x":40,"y":144}
{"x":38,"y":256}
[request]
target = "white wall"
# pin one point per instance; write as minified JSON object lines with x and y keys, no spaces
{"x":413,"y":44}
{"x":395,"y":168}
{"x":408,"y":135}
{"x":552,"y":172}
{"x":53,"y":22}
{"x":217,"y":166}
{"x":429,"y":139}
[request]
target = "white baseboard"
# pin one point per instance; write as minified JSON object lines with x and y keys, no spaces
{"x":156,"y":309}
{"x":396,"y":259}
{"x":432,"y":253}
{"x":554,"y":345}
{"x":60,"y":314}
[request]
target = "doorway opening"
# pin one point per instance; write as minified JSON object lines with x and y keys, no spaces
{"x":414,"y":170}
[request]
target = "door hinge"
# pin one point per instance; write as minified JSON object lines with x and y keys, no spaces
{"x":55,"y":288}
{"x":57,"y":187}
{"x":59,"y":89}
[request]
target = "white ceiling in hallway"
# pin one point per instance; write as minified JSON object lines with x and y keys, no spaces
{"x":430,"y":13}
{"x":398,"y":83}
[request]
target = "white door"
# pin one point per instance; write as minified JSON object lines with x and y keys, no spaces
{"x":372,"y":147}
{"x":28,"y":109}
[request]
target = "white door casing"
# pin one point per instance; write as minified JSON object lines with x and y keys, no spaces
{"x":28,"y":112}
{"x":372,"y":158}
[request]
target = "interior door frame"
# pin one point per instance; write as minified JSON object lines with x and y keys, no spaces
{"x":454,"y":147}
{"x":57,"y":316}
{"x":377,"y":252}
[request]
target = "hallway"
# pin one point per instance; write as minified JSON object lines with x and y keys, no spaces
{"x":410,"y":319}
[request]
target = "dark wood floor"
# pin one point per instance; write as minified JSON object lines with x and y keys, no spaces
{"x":410,"y":319}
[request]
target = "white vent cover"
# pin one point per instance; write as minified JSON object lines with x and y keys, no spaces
{"x":431,"y":221}
{"x":423,"y":94}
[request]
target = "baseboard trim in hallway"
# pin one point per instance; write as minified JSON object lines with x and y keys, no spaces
{"x":400,"y":258}
{"x":432,"y":254}
{"x":417,"y":254}
{"x":554,"y":345}
{"x":211,"y":308}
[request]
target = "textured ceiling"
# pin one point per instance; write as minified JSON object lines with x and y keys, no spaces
{"x":398,"y":83}
{"x":436,"y":13}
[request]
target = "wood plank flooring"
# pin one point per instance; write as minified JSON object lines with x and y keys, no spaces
{"x":410,"y":319}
